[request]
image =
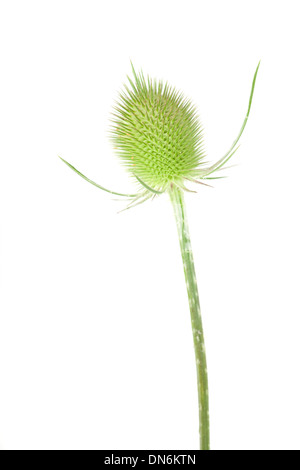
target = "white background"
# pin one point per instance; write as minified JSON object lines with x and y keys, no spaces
{"x":95,"y":343}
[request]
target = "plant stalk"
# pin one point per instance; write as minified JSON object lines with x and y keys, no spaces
{"x":177,"y":199}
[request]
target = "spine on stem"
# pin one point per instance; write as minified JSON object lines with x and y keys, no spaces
{"x":177,"y":199}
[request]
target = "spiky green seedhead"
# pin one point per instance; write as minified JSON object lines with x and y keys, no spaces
{"x":157,"y":133}
{"x":158,"y":136}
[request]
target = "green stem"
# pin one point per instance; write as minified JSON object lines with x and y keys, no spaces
{"x":176,"y":195}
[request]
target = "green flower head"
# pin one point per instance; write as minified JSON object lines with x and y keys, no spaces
{"x":157,"y":133}
{"x":158,"y":137}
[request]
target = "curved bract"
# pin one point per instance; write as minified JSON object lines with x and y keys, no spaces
{"x":93,"y":182}
{"x":220,"y":163}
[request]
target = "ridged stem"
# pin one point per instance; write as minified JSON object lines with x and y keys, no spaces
{"x":177,"y":199}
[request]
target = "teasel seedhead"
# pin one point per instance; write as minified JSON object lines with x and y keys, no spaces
{"x":157,"y":133}
{"x":158,"y":137}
